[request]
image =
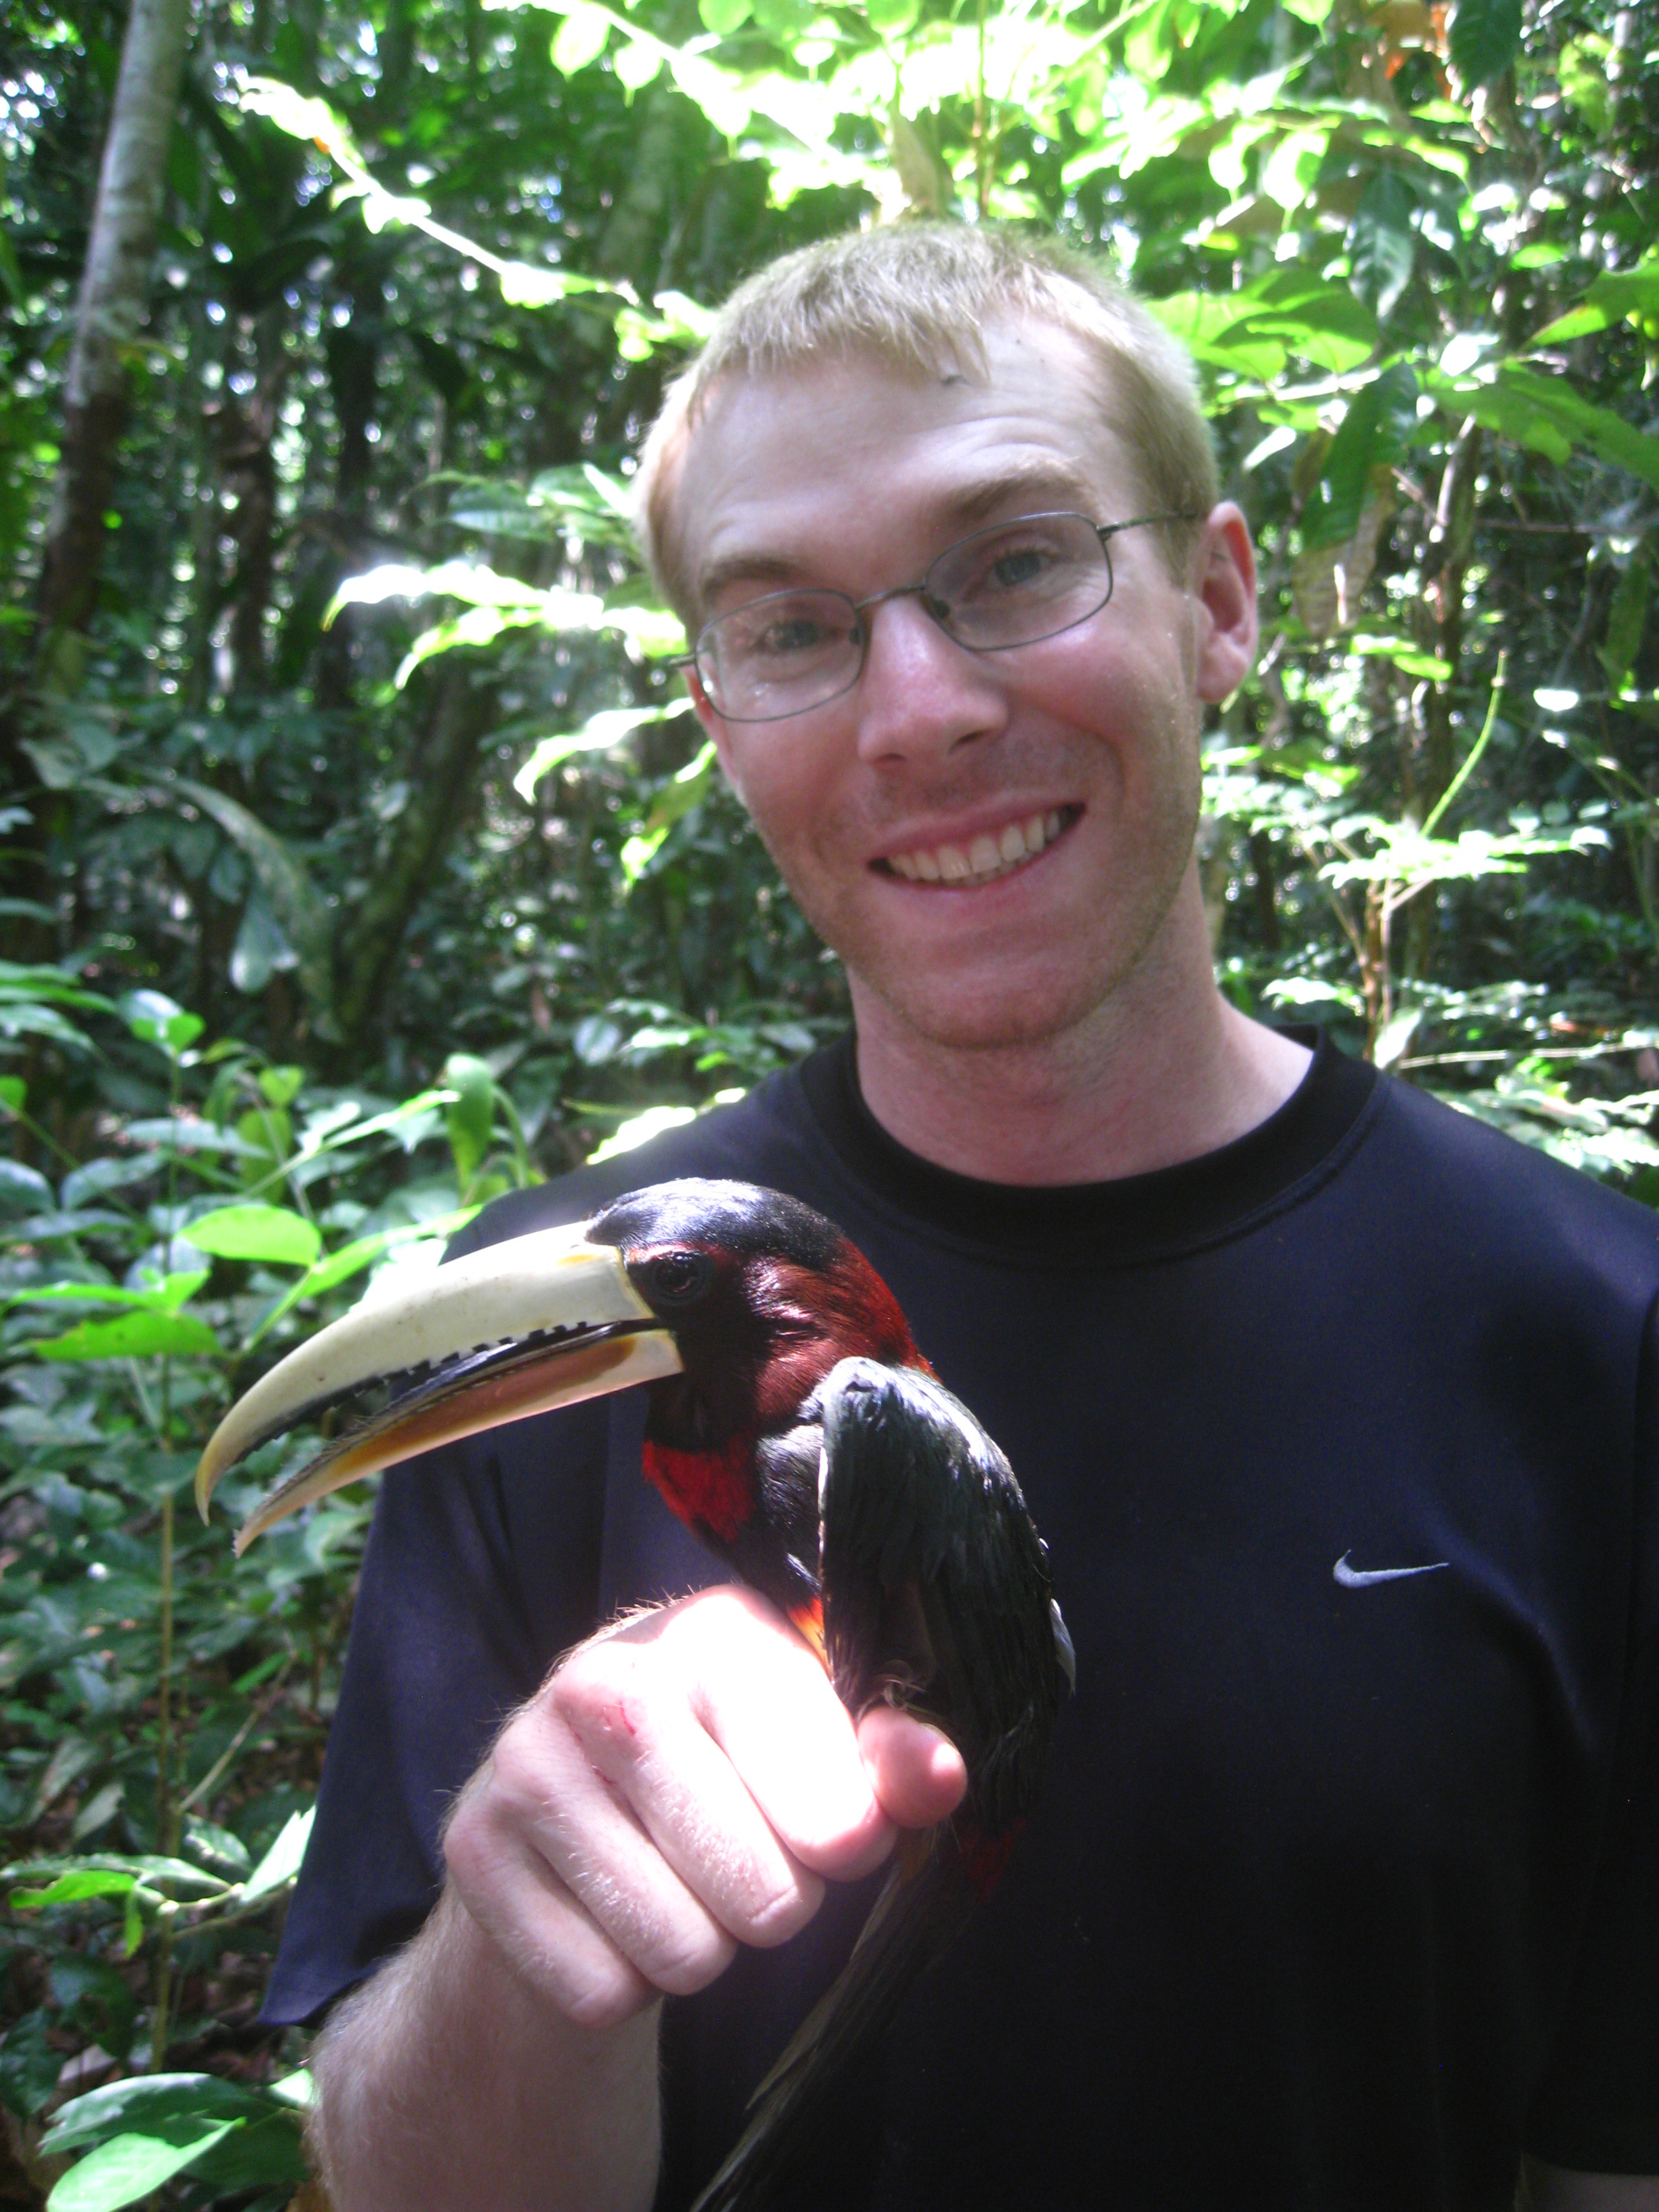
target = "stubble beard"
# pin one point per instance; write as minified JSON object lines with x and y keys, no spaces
{"x":1015,"y":1013}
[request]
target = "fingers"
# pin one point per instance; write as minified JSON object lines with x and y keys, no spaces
{"x":679,"y":1785}
{"x":917,"y":1773}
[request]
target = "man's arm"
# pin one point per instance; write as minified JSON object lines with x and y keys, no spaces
{"x":1554,"y":2189}
{"x":444,"y":2082}
{"x":681,"y":1785}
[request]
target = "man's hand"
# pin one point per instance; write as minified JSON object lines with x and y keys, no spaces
{"x":1553,"y":2189}
{"x":679,"y":1786}
{"x":684,"y":1782}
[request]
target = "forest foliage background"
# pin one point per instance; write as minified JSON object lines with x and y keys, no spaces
{"x":357,"y":858}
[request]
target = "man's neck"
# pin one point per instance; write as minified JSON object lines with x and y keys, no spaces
{"x":1119,"y":1097}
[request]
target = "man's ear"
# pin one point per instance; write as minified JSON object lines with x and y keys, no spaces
{"x":1224,"y":592}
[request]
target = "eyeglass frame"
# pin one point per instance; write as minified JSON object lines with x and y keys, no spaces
{"x":1103,"y":530}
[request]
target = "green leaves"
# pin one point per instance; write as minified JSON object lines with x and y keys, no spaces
{"x":257,"y":1232}
{"x":154,"y":1017}
{"x":1545,"y":413}
{"x":31,"y":1001}
{"x":281,"y":1863}
{"x":294,"y":901}
{"x":1615,"y":294}
{"x":470,"y":1115}
{"x":1374,"y":426}
{"x":1382,"y":241}
{"x":1286,"y":314}
{"x":580,"y":38}
{"x":1626,"y":621}
{"x":608,"y":728}
{"x":133,"y":1336}
{"x":1483,"y":38}
{"x":140,"y":2133}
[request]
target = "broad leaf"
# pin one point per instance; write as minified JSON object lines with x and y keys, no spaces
{"x":1483,"y":38}
{"x":134,"y":1336}
{"x":154,"y":1017}
{"x":145,"y":2102}
{"x":1381,"y":243}
{"x":257,"y":1232}
{"x":299,"y":906}
{"x":22,"y":1189}
{"x":580,"y":38}
{"x":470,"y":1115}
{"x":128,"y":2168}
{"x":281,"y":1863}
{"x":75,"y":1888}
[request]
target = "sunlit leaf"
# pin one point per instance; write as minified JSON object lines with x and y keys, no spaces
{"x":281,"y":1863}
{"x":302,"y":117}
{"x":74,"y":1889}
{"x":580,"y":38}
{"x":134,"y":1336}
{"x":154,"y":1017}
{"x":636,"y":66}
{"x":257,"y":1232}
{"x":470,"y":1113}
{"x":1545,"y":413}
{"x":597,"y":735}
{"x":130,"y":2166}
{"x":640,"y":1128}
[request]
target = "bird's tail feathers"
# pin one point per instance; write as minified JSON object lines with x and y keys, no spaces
{"x":924,"y":1906}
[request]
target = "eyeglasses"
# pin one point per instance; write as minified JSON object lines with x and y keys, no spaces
{"x":1013,"y":584}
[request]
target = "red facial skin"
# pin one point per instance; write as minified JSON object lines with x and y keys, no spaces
{"x":751,"y":1380}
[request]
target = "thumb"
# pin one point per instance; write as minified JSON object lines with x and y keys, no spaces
{"x":917,"y":1771}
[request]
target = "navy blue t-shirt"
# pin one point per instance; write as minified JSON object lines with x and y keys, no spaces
{"x":1345,"y":1885}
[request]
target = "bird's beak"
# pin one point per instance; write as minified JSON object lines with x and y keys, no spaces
{"x":539,"y":1321}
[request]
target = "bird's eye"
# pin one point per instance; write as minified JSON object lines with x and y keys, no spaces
{"x":678,"y":1277}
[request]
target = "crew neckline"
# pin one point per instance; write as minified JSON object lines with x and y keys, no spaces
{"x":1194,"y":1202}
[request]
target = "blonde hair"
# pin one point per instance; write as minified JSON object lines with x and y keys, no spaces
{"x":919,"y":295}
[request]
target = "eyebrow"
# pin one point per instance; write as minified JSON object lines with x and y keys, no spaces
{"x":1056,"y":486}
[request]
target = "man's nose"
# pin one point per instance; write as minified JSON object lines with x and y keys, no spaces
{"x":921,"y":694}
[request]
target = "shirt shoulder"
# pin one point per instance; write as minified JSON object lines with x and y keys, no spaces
{"x":769,"y":1136}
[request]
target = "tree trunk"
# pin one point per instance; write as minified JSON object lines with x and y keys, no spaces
{"x":244,"y":428}
{"x":111,"y":309}
{"x":441,"y":768}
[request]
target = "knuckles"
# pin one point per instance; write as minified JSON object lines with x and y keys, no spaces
{"x":597,"y":1934}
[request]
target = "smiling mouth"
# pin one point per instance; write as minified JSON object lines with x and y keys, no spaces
{"x":982,"y":859}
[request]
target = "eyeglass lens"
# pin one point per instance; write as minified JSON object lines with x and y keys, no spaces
{"x":1012,"y":584}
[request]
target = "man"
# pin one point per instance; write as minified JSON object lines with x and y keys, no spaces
{"x":1338,"y":1412}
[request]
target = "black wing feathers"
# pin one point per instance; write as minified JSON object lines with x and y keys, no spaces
{"x":936,"y":1585}
{"x":936,"y":1594}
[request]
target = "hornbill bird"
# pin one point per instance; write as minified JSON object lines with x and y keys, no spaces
{"x":793,"y":1425}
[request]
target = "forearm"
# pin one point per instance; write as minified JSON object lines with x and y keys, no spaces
{"x":1553,"y":2189}
{"x":444,"y":2085}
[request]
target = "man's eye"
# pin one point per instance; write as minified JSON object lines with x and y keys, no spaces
{"x":1010,"y":568}
{"x":788,"y":635}
{"x":1012,"y":571}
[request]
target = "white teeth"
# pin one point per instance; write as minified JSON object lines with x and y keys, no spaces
{"x":986,"y":857}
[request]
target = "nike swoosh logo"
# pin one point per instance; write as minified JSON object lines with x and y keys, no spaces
{"x":1361,"y":1577}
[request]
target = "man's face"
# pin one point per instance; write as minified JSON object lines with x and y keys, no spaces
{"x":993,"y":842}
